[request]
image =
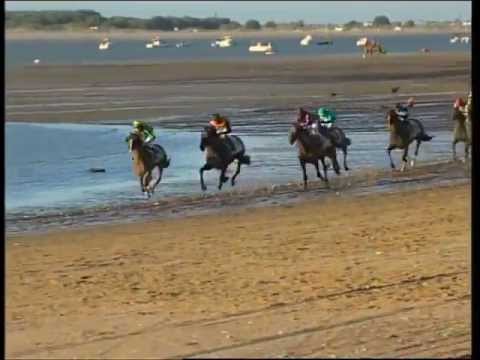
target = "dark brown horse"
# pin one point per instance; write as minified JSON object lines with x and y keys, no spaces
{"x":462,"y":132}
{"x":311,"y":148}
{"x":145,"y":159}
{"x":336,"y":135}
{"x":220,"y":152}
{"x":402,"y":134}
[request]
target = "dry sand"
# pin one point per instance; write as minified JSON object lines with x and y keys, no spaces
{"x":377,"y":275}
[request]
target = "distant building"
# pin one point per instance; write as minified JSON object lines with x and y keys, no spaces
{"x":367,"y":24}
{"x":467,"y":23}
{"x":397,"y":28}
{"x":93,"y":28}
{"x":175,"y":29}
{"x":338,"y":28}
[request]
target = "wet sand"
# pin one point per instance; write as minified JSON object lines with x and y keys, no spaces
{"x":384,"y":275}
{"x":165,"y":92}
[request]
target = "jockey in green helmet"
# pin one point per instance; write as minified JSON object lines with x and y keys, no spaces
{"x":144,"y":130}
{"x":327,"y":117}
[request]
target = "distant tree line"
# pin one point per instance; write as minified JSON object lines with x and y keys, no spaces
{"x":89,"y":18}
{"x":81,"y":19}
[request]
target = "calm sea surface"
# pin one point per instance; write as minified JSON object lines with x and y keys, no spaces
{"x":47,"y":166}
{"x":22,"y":52}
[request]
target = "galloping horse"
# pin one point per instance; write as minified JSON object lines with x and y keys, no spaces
{"x":462,"y":132}
{"x":336,"y":135}
{"x":145,"y":159}
{"x":370,"y":47}
{"x":402,"y":134}
{"x":312,"y":148}
{"x":219,"y":155}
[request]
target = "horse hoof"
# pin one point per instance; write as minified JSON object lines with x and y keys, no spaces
{"x":204,"y":188}
{"x":347,"y":168}
{"x":412,"y":163}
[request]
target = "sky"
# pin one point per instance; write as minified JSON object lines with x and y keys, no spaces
{"x":314,"y":12}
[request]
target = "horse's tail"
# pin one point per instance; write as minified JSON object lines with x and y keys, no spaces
{"x":425,"y":137}
{"x":348,"y":142}
{"x":166,"y":164}
{"x":244,"y":159}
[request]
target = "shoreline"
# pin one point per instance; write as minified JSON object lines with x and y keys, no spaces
{"x":145,"y":34}
{"x":362,"y":182}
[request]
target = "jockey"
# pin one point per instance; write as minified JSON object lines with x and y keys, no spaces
{"x":144,"y":130}
{"x":306,"y":120}
{"x":402,"y":110}
{"x":221,"y":124}
{"x":327,"y":117}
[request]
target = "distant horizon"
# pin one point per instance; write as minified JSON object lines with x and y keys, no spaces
{"x":311,"y":12}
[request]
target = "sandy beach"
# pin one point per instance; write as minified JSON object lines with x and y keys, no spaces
{"x":373,"y":275}
{"x":378,"y":265}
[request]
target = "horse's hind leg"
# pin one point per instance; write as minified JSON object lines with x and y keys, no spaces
{"x":325,"y":169}
{"x":304,"y":170}
{"x":236,"y":172}
{"x":454,"y":150}
{"x":344,"y":149}
{"x":318,"y":170}
{"x":389,"y":152}
{"x":202,"y":169}
{"x":222,"y":178}
{"x":417,"y":147}
{"x":404,"y":159}
{"x":160,"y":172}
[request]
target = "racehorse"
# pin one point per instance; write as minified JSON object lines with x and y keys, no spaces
{"x":462,"y":132}
{"x":370,"y":47}
{"x":220,"y":152}
{"x":145,"y":159}
{"x":336,"y":135}
{"x":402,"y":134}
{"x":311,"y":148}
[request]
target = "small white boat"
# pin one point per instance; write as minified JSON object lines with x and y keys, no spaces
{"x":223,"y":42}
{"x":182,"y":44}
{"x":149,"y":45}
{"x":306,"y":40}
{"x":261,"y":47}
{"x":104,"y":45}
{"x":36,"y":61}
{"x":465,"y":39}
{"x":454,"y":39}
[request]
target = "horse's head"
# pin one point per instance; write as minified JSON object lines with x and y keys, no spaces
{"x":208,"y":133}
{"x":294,"y":132}
{"x":135,"y":142}
{"x":392,"y":117}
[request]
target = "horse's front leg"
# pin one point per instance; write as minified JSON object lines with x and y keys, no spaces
{"x":202,"y":169}
{"x":236,"y":172}
{"x":404,"y":159}
{"x":141,"y":184}
{"x":389,"y":152}
{"x":222,"y":178}
{"x":304,"y":171}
